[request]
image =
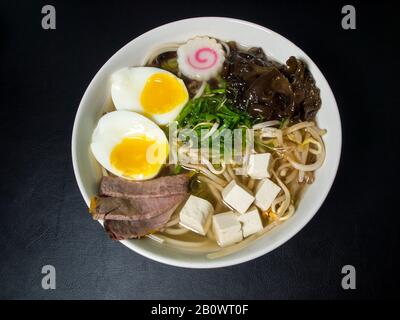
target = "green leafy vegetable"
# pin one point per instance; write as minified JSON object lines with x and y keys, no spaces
{"x":211,"y":107}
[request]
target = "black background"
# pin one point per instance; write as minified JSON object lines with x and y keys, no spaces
{"x":44,"y":219}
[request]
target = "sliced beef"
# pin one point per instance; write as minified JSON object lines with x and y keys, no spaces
{"x":163,"y":186}
{"x":121,"y":230}
{"x":113,"y":208}
{"x":131,"y":210}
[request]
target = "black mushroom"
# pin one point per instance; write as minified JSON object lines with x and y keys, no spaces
{"x":268,"y":90}
{"x":270,"y":96}
{"x":306,"y":95}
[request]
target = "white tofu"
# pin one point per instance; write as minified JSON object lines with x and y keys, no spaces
{"x":196,"y":215}
{"x":251,"y":222}
{"x":266,"y":192}
{"x":257,"y":167}
{"x":237,"y":197}
{"x":227,"y":228}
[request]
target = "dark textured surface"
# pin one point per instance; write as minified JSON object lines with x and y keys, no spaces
{"x":44,"y":219}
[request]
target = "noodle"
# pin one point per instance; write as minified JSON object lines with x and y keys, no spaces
{"x":230,"y":172}
{"x":206,"y":172}
{"x":298,"y":126}
{"x":176,"y":231}
{"x":308,"y":167}
{"x":291,"y":177}
{"x":285,"y":204}
{"x":288,"y":214}
{"x":227,"y":176}
{"x":169,"y":47}
{"x":272,"y":133}
{"x":155,"y":238}
{"x":277,"y":201}
{"x":210,"y":182}
{"x":320,"y":156}
{"x":185,"y":244}
{"x":212,"y":168}
{"x":303,"y":160}
{"x":173,"y":222}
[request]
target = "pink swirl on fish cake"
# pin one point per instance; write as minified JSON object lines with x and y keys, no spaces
{"x":198,"y":60}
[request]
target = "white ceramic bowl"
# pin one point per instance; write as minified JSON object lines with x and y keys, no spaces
{"x":87,"y":171}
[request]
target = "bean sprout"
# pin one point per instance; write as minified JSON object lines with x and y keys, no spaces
{"x":266,"y":124}
{"x":211,"y":132}
{"x":200,"y":91}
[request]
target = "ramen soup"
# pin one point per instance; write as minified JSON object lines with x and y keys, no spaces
{"x":206,"y":147}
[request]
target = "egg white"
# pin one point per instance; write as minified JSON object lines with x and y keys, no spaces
{"x":127,"y":85}
{"x":117,"y":125}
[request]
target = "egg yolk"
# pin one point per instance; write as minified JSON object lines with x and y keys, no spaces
{"x":138,"y":157}
{"x":162,"y":93}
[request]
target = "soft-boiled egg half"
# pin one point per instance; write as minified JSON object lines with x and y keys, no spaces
{"x":153,"y":92}
{"x":129,"y":145}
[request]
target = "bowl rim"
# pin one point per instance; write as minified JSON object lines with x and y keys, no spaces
{"x":234,"y":260}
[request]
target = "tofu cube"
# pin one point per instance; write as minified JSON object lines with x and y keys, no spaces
{"x":251,"y":222}
{"x":237,"y":197}
{"x":227,"y":228}
{"x":196,"y":215}
{"x":257,"y":167}
{"x":266,"y":192}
